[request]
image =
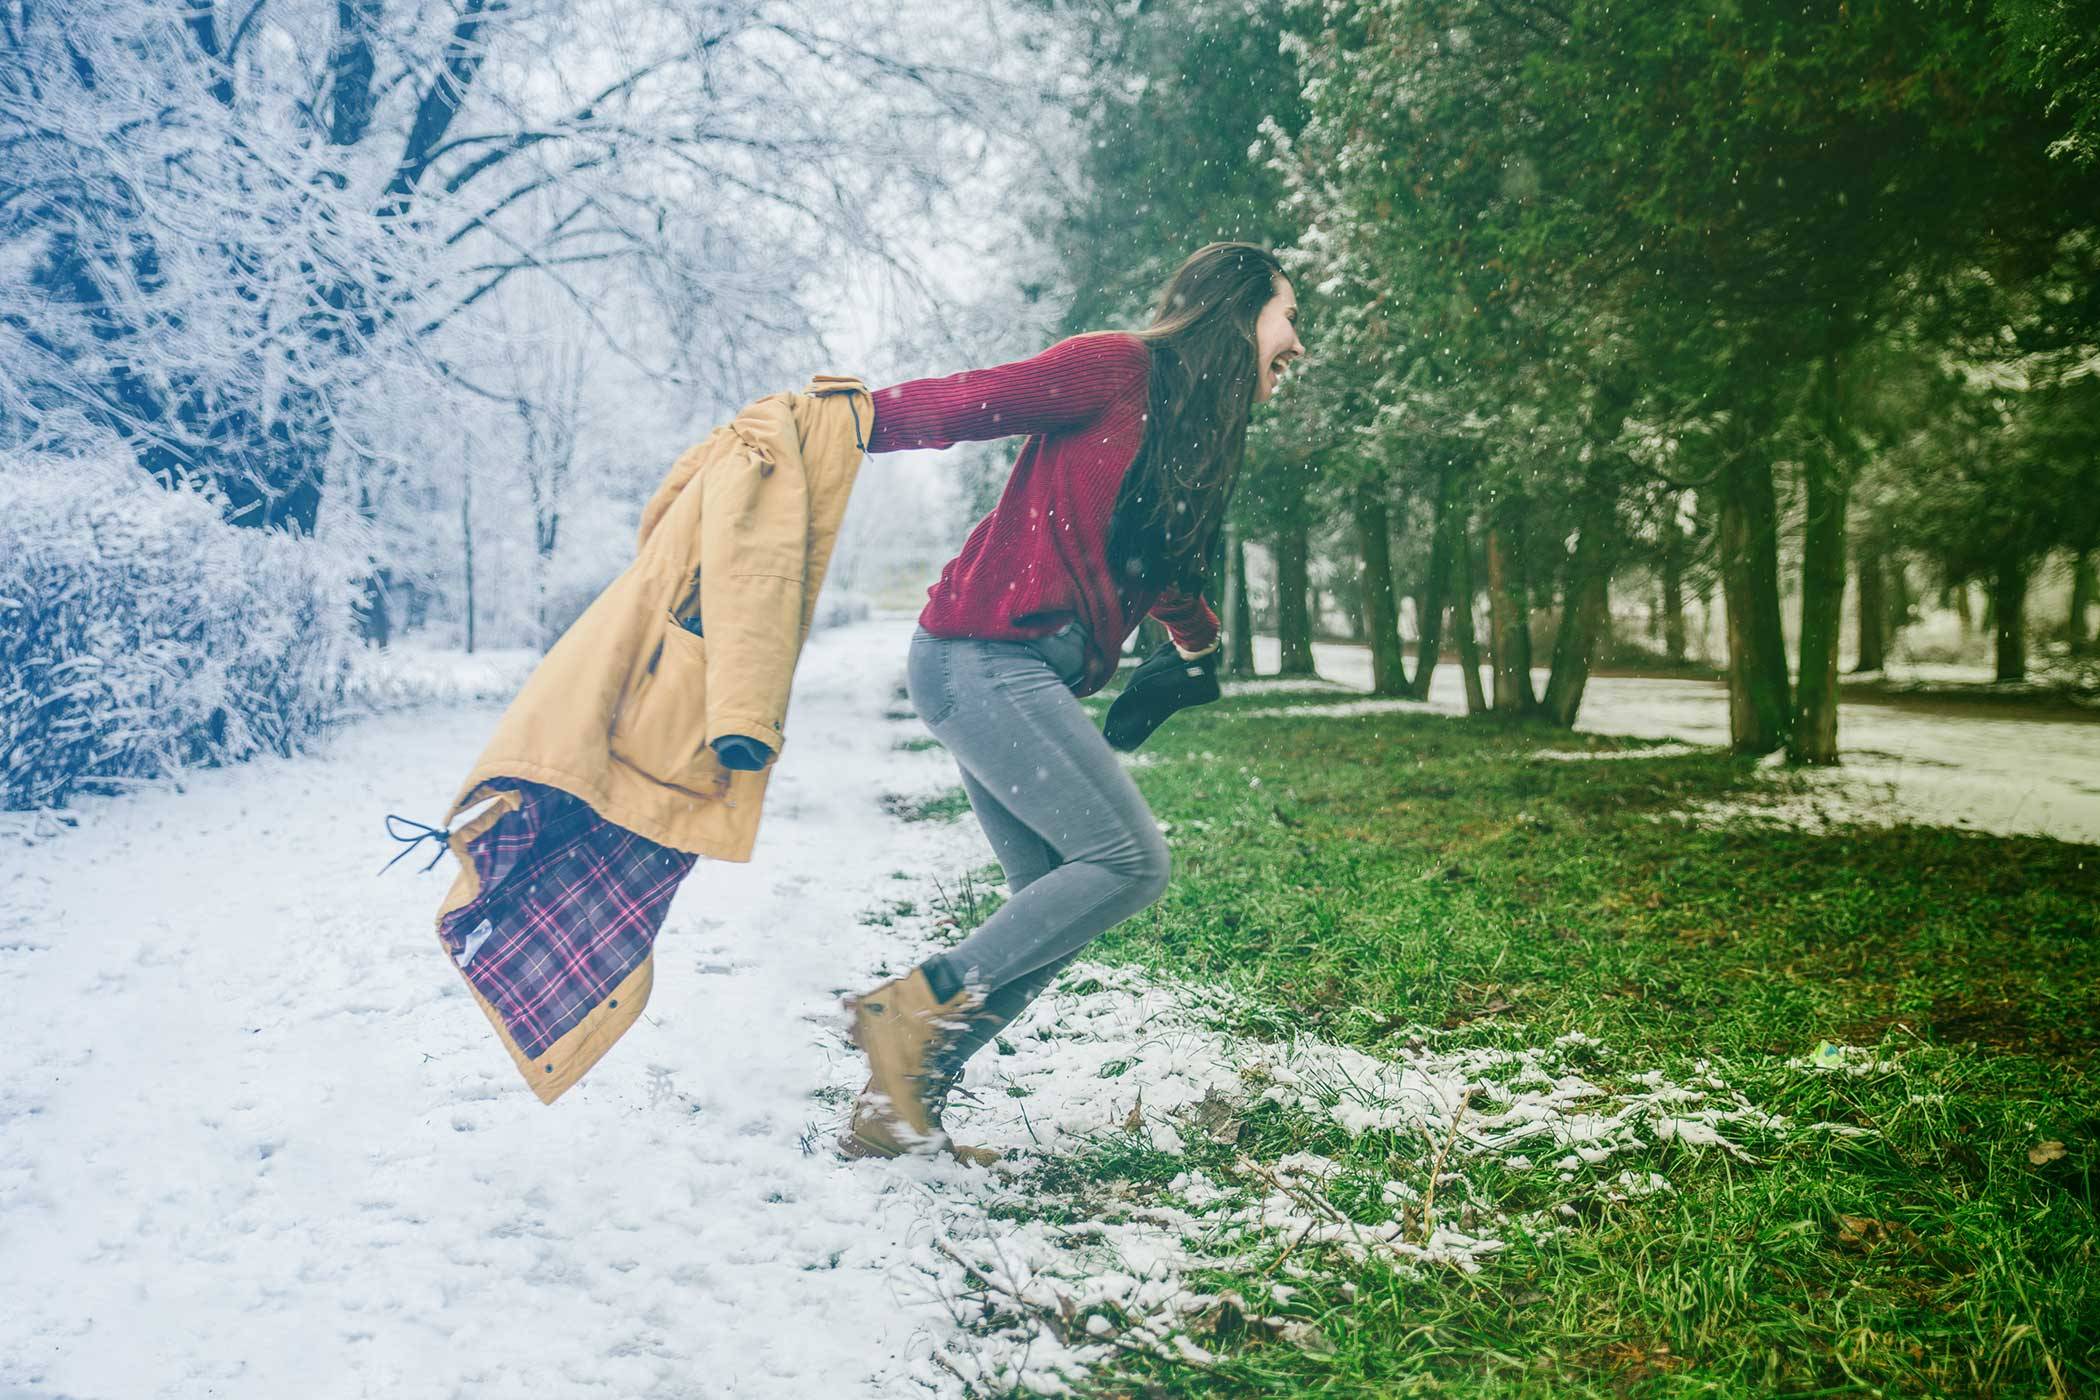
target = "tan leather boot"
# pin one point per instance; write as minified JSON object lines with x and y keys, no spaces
{"x":899,"y":1026}
{"x":870,"y":1134}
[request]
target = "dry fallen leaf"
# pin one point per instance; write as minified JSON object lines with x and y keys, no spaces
{"x":1136,"y":1120}
{"x":1216,"y":1116}
{"x":1862,"y":1234}
{"x":2043,"y":1153}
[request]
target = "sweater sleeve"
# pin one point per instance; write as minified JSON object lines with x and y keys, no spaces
{"x":1063,"y":387}
{"x":1189,"y":620}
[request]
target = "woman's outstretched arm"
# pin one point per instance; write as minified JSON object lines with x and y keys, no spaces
{"x":1189,"y":621}
{"x":1062,"y":388}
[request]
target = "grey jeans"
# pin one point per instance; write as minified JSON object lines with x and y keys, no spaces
{"x":1080,"y":848}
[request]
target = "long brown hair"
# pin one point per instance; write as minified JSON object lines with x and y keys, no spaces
{"x":1172,"y":502}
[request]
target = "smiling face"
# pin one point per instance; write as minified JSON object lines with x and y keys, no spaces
{"x":1276,"y":337}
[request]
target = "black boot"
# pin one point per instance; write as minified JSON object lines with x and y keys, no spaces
{"x":1163,"y":684}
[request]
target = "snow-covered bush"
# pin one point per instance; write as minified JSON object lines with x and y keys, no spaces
{"x":404,"y":676}
{"x":141,"y":634}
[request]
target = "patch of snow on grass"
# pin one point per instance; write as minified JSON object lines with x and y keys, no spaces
{"x":2020,"y":775}
{"x":1670,"y":750}
{"x":1279,"y":685}
{"x":1348,"y":709}
{"x":1110,"y":1059}
{"x":1854,"y":1060}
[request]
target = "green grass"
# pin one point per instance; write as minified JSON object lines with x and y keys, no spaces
{"x":944,"y":806}
{"x":1365,"y":876}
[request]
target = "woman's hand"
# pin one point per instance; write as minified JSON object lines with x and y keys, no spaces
{"x":744,"y":754}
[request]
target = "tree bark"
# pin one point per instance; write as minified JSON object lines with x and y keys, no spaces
{"x":1813,"y":736}
{"x":1673,"y":586}
{"x":1381,"y":602}
{"x":1749,"y":545}
{"x":1429,"y":602}
{"x":1585,"y":611}
{"x":1895,"y":580}
{"x":374,"y":608}
{"x":1293,"y":618}
{"x":1462,"y":611}
{"x":415,"y":605}
{"x":2009,"y":604}
{"x":1239,"y":612}
{"x":466,"y":536}
{"x":2083,"y":587}
{"x":1509,"y":618}
{"x":1585,"y":605}
{"x":352,"y":65}
{"x":1873,"y":609}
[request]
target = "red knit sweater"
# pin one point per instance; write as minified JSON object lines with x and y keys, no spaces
{"x":1040,"y":558}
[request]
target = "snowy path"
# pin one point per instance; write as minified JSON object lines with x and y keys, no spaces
{"x":2016,"y":776}
{"x":257,"y":1142}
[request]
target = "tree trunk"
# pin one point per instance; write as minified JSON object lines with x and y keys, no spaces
{"x":1293,"y":619}
{"x":1673,"y":587}
{"x":2083,"y":587}
{"x":1239,"y":613}
{"x":1462,"y":611}
{"x":1509,"y":618}
{"x":374,"y":608}
{"x":2009,"y":604}
{"x":1381,"y":603}
{"x":1895,"y":580}
{"x":1962,"y":614}
{"x":1749,"y":546}
{"x":1873,"y":609}
{"x":466,"y":536}
{"x":1813,"y":737}
{"x":1429,"y":603}
{"x":1585,"y":605}
{"x":415,"y":605}
{"x":544,"y":530}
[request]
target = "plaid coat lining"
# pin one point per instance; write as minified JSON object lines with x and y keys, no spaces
{"x":569,"y":905}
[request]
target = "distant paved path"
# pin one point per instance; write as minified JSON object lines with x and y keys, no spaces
{"x":2026,"y":776}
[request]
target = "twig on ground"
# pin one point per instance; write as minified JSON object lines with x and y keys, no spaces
{"x":1308,"y":1199}
{"x":1059,"y":1324}
{"x":1437,"y":1169}
{"x":1313,"y":1202}
{"x":949,"y":1366}
{"x":1280,"y":1260}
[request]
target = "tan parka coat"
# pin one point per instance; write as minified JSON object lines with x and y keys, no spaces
{"x":623,"y":709}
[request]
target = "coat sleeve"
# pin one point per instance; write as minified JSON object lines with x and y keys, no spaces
{"x":1062,"y":388}
{"x":1189,"y":620}
{"x":754,"y":539}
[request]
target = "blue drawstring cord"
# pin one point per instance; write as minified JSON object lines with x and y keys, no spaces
{"x":409,"y":843}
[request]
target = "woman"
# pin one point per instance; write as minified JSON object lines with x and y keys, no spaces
{"x":1134,"y":445}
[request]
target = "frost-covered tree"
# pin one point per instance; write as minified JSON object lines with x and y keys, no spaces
{"x":229,"y":230}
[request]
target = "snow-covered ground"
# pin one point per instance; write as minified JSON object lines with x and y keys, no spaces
{"x":2024,"y":775}
{"x":258,"y":1142}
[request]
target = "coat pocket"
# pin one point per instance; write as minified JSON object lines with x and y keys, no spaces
{"x":662,"y":725}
